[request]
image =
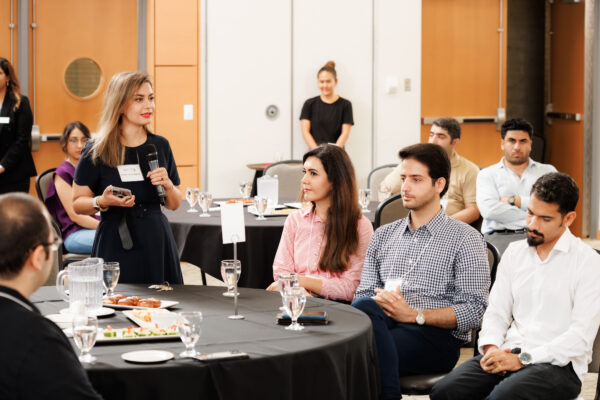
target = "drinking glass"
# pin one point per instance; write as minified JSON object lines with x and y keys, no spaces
{"x":85,"y":328}
{"x":261,"y":206}
{"x":230,"y":270}
{"x":364,"y":198}
{"x":190,"y":196}
{"x":189,"y":326}
{"x":245,"y":189}
{"x":110,"y":277}
{"x":286,"y":280}
{"x":294,"y":299}
{"x":205,"y":202}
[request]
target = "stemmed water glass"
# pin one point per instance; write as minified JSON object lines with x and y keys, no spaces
{"x":110,"y":277}
{"x":294,"y":299}
{"x":205,"y":202}
{"x":364,"y":198}
{"x":85,"y":328}
{"x":260,"y":203}
{"x":190,"y":196}
{"x":286,"y":280}
{"x":245,"y":189}
{"x":189,"y":326}
{"x":230,"y":270}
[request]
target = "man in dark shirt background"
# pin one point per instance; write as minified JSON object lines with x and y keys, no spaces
{"x":38,"y":362}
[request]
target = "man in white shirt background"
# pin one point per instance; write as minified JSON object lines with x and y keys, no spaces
{"x":503,"y":188}
{"x":544,"y":309}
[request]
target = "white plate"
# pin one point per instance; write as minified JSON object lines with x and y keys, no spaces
{"x":276,"y":213}
{"x":103,"y":312}
{"x":163,"y":304}
{"x":147,"y":356}
{"x":293,"y":205}
{"x":159,"y":316}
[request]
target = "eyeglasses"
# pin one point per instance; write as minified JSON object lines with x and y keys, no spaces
{"x":82,"y":140}
{"x":54,"y":245}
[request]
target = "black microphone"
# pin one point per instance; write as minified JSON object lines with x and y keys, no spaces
{"x":152,"y":157}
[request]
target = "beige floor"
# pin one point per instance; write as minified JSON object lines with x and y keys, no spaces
{"x":192,"y":276}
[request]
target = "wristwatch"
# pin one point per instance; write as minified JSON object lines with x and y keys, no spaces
{"x":511,"y":200}
{"x":420,"y":317}
{"x":96,"y":206}
{"x":525,"y":358}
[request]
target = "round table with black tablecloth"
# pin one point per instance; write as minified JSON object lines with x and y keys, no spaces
{"x":335,"y":361}
{"x":199,"y":241}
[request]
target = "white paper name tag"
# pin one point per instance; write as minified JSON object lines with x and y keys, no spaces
{"x":130,"y":173}
{"x":4,"y":120}
{"x":232,"y":223}
{"x":393,"y":284}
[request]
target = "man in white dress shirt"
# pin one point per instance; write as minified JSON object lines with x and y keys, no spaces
{"x":544,"y":309}
{"x":503,"y":188}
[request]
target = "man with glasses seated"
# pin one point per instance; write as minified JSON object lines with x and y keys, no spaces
{"x":38,"y":362}
{"x":538,"y":331}
{"x":425,"y":278}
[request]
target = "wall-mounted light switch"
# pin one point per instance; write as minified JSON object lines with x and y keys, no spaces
{"x":188,"y":112}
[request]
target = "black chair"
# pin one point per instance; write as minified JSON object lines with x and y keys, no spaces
{"x":376,"y":176}
{"x":289,"y":174}
{"x":390,"y":210}
{"x":42,"y":183}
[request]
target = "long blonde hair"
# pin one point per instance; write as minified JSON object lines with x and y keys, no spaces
{"x":107,"y":144}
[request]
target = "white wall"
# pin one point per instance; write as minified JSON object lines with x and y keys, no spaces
{"x":397,"y":57}
{"x":264,"y":52}
{"x":247,"y":68}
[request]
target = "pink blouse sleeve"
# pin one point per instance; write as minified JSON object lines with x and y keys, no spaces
{"x":284,"y":258}
{"x":343,"y":286}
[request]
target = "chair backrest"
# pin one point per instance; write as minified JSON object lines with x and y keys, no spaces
{"x":390,"y":210}
{"x":57,"y":262}
{"x":289,"y":174}
{"x":494,"y":260}
{"x":376,"y":176}
{"x":42,"y":183}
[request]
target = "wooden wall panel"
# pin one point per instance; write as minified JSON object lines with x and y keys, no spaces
{"x":460,"y":69}
{"x":564,"y":139}
{"x":5,"y":31}
{"x":176,"y":32}
{"x":189,"y":178}
{"x":176,"y":86}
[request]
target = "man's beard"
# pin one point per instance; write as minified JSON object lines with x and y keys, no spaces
{"x":533,"y":242}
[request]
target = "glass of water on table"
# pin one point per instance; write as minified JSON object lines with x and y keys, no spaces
{"x":286,"y":280}
{"x":230,"y":272}
{"x":85,"y":328}
{"x":110,"y":277}
{"x":189,"y":326}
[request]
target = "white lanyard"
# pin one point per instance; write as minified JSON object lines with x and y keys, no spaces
{"x":414,"y":264}
{"x":13,"y":298}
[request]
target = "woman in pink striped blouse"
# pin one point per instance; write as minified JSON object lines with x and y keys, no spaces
{"x":326,"y":243}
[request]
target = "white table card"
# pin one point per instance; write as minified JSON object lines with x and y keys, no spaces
{"x":232,"y":223}
{"x":268,"y":187}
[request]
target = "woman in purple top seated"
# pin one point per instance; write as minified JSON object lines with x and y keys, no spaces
{"x":78,"y":231}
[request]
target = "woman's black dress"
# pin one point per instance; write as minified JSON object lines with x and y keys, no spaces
{"x":154,"y":256}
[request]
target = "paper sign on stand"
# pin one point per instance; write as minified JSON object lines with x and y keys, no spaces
{"x":232,"y":223}
{"x":268,"y":187}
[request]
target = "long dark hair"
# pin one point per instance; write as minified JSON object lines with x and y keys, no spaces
{"x":343,"y":213}
{"x":12,"y":86}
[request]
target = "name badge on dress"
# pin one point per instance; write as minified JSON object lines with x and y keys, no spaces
{"x":4,"y":120}
{"x":130,"y":173}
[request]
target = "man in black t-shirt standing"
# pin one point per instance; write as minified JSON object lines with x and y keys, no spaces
{"x":38,"y":360}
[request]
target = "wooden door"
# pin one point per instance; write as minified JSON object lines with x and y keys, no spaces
{"x":104,"y":31}
{"x":564,"y":138}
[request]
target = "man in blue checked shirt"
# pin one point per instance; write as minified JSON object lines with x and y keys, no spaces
{"x":425,"y":278}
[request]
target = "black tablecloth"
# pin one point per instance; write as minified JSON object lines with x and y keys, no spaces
{"x":200,"y":243}
{"x":337,"y":361}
